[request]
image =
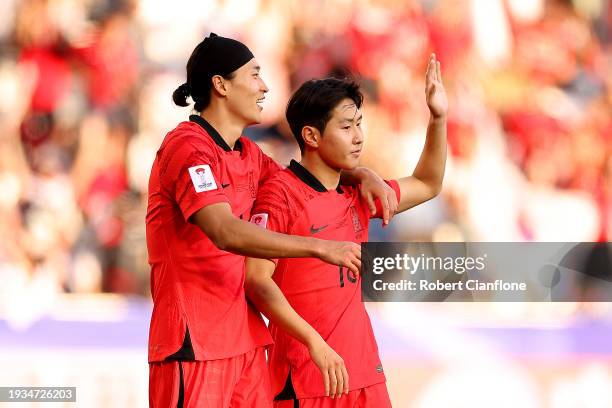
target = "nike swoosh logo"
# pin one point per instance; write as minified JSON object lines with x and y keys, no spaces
{"x":225,"y":185}
{"x":314,"y":230}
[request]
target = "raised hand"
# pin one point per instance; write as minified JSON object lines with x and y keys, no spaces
{"x":434,"y":89}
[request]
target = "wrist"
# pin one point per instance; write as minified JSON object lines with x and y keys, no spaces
{"x":437,"y":118}
{"x":317,"y":248}
{"x":360,"y":173}
{"x":313,"y":340}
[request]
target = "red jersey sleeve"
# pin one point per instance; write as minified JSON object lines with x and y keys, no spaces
{"x":189,"y":173}
{"x":395,"y":186}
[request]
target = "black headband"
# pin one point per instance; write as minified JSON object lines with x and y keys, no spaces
{"x":217,"y":56}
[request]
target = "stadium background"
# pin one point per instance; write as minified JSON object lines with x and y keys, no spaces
{"x":85,"y":101}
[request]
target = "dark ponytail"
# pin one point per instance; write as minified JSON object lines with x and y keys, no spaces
{"x":215,"y":55}
{"x":180,"y":95}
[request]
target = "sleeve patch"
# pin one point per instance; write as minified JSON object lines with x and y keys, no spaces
{"x":202,"y":178}
{"x":260,"y":219}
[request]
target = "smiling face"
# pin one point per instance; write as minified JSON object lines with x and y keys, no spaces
{"x":325,"y":118}
{"x":246,"y":92}
{"x":341,"y":142}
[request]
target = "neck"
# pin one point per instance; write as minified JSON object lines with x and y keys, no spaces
{"x":228,"y":127}
{"x":328,"y":176}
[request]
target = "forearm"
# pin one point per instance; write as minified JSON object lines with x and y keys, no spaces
{"x":432,"y":163}
{"x":250,"y":240}
{"x":271,"y":301}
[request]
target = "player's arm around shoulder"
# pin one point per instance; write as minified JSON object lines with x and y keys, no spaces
{"x":426,"y":180}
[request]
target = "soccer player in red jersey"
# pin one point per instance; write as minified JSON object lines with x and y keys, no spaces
{"x":322,"y":333}
{"x":206,"y":343}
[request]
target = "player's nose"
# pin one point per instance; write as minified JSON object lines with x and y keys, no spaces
{"x":358,"y":139}
{"x":263,"y":87}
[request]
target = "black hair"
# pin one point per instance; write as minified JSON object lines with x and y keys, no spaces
{"x":215,"y":55}
{"x":312,"y":104}
{"x":200,"y":92}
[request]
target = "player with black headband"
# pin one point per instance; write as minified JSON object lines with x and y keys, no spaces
{"x":206,"y":343}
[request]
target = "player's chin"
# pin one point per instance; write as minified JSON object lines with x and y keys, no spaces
{"x":254,"y":119}
{"x":354,"y":159}
{"x":350,"y":163}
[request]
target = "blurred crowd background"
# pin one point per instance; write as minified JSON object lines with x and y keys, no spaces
{"x":85,"y":101}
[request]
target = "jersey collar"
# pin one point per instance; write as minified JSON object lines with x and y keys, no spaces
{"x":308,"y":178}
{"x":216,"y":136}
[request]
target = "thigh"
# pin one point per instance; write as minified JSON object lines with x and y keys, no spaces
{"x":374,"y":396}
{"x":253,"y":388}
{"x":208,"y":384}
{"x":191,"y":384}
{"x":164,"y":384}
{"x":286,"y":404}
{"x":346,"y":401}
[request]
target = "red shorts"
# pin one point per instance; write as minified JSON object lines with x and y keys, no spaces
{"x":373,"y":396}
{"x":241,"y":381}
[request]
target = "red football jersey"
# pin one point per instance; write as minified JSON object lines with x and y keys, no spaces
{"x":199,"y":302}
{"x":326,"y":296}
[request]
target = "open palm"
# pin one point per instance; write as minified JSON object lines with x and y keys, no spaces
{"x":434,"y":89}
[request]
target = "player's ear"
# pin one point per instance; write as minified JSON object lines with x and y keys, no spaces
{"x":219,"y":85}
{"x":311,"y":136}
